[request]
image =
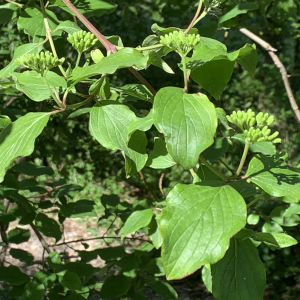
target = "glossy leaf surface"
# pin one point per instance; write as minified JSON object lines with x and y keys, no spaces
{"x":197,"y":224}
{"x":188,"y":122}
{"x":274,"y":176}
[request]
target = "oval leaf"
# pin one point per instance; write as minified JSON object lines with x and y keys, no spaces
{"x":136,"y":221}
{"x":197,"y":224}
{"x":18,"y":138}
{"x":278,"y":240}
{"x":188,"y":122}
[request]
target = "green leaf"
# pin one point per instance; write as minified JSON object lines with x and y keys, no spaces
{"x":253,"y":219}
{"x":68,"y":26}
{"x":124,"y":58}
{"x":48,"y":226}
{"x":136,"y":221}
{"x":13,"y":275}
{"x":205,"y":41}
{"x":75,"y":297}
{"x":45,"y":278}
{"x":277,"y":240}
{"x":163,"y":289}
{"x":33,"y":291}
{"x":54,"y":260}
{"x":7,"y":12}
{"x":206,"y":276}
{"x":213,"y":76}
{"x":138,"y":91}
{"x":212,"y":67}
{"x":89,"y":8}
{"x":68,"y":190}
{"x":188,"y":122}
{"x":240,"y":274}
{"x":4,"y":121}
{"x":293,"y":209}
{"x":70,"y":280}
{"x":22,"y":255}
{"x":197,"y":224}
{"x":216,"y":150}
{"x":78,"y":209}
{"x":31,"y":21}
{"x":155,"y":60}
{"x":279,"y":215}
{"x":17,"y":139}
{"x":241,"y":8}
{"x":115,"y":286}
{"x":159,"y":158}
{"x":153,"y":232}
{"x":21,"y":50}
{"x":143,"y":124}
{"x":32,"y":84}
{"x":274,"y":176}
{"x":31,"y":169}
{"x":205,"y":174}
{"x":267,"y":148}
{"x":109,"y":123}
{"x":79,"y":112}
{"x":18,"y":235}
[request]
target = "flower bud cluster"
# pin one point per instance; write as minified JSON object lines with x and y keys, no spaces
{"x":82,"y":40}
{"x":40,"y":62}
{"x":254,"y":127}
{"x":180,"y":42}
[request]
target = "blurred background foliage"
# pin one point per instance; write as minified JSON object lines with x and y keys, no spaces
{"x":66,"y":144}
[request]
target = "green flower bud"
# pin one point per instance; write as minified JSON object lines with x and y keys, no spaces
{"x":96,"y":55}
{"x":273,"y":136}
{"x":276,"y":141}
{"x":270,"y":120}
{"x":252,"y":121}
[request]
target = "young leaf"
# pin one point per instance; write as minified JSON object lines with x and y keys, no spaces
{"x":188,"y":122}
{"x":136,"y":221}
{"x":18,"y":138}
{"x":277,"y":240}
{"x":54,"y":260}
{"x":274,"y":176}
{"x":197,"y":224}
{"x":240,"y":274}
{"x":68,"y":26}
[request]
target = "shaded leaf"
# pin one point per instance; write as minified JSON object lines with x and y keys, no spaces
{"x":22,"y":255}
{"x":136,"y":221}
{"x":70,"y":280}
{"x":115,"y":286}
{"x":31,"y":169}
{"x":48,"y":226}
{"x":13,"y":275}
{"x":33,"y":291}
{"x":163,"y":289}
{"x":277,"y":240}
{"x":240,"y":274}
{"x":18,"y":235}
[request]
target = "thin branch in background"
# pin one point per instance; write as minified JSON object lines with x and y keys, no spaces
{"x":9,"y":102}
{"x":279,"y":65}
{"x":161,"y":178}
{"x":147,"y":185}
{"x":99,"y":238}
{"x":110,"y":226}
{"x":4,"y":238}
